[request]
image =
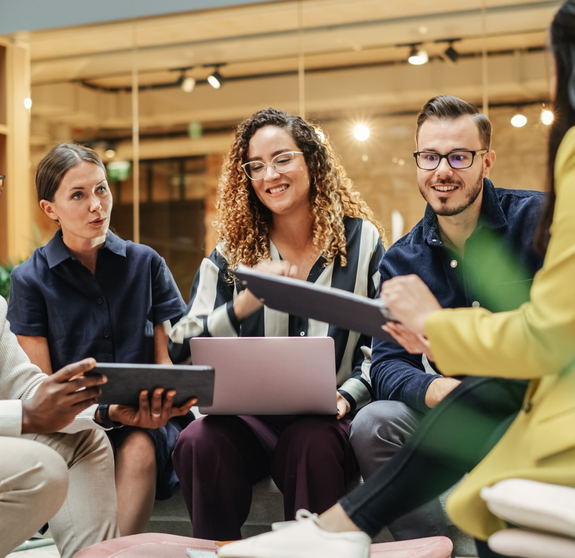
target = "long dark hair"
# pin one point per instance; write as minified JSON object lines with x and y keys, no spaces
{"x":562,"y":44}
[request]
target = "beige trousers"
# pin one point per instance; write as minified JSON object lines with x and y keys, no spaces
{"x":70,"y":485}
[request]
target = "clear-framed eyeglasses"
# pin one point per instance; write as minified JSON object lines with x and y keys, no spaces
{"x":2,"y":178}
{"x":282,"y":163}
{"x":429,"y":160}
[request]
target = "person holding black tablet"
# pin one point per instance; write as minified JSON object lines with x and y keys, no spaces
{"x":88,"y":293}
{"x":285,"y":206}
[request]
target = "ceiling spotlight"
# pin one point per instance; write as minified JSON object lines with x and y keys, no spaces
{"x":417,"y":56}
{"x":215,"y":79}
{"x":188,"y":84}
{"x":361,"y":132}
{"x":518,"y":120}
{"x":109,"y":150}
{"x":451,"y":54}
{"x":547,"y":117}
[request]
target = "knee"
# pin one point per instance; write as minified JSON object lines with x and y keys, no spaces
{"x":138,"y":449}
{"x":311,"y":436}
{"x":384,"y":421}
{"x":204,"y":440}
{"x":43,"y":478}
{"x":209,"y":433}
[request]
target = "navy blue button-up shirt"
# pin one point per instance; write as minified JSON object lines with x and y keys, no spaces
{"x":109,"y":316}
{"x":495,"y":272}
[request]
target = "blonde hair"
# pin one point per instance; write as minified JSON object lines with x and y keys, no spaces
{"x":243,"y":223}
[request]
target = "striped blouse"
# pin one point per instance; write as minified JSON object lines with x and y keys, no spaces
{"x":210,"y":311}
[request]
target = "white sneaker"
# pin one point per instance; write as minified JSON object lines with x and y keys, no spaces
{"x":302,"y":538}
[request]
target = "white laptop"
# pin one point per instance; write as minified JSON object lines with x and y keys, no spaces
{"x":269,"y":375}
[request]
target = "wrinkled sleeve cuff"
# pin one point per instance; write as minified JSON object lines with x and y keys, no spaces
{"x":11,"y":418}
{"x":220,"y":323}
{"x":357,"y":393}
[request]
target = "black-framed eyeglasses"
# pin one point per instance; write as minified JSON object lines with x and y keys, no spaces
{"x":429,"y":160}
{"x":2,"y":178}
{"x":282,"y":163}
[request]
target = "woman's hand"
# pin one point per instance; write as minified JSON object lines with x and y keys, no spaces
{"x":413,"y":343}
{"x":246,"y":303}
{"x":150,"y":414}
{"x":343,"y":406}
{"x":410,"y":301}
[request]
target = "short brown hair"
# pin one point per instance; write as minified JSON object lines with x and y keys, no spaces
{"x":448,"y":107}
{"x":57,"y":162}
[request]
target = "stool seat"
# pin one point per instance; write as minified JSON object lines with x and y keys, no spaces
{"x":161,"y":545}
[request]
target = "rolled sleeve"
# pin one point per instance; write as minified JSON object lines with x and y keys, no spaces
{"x":27,"y":312}
{"x":167,"y":302}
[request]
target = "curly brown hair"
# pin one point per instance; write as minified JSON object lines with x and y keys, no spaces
{"x":243,"y":223}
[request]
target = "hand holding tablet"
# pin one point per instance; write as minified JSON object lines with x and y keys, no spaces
{"x":127,"y":381}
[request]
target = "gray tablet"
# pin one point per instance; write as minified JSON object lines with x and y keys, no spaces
{"x":307,"y":300}
{"x":126,"y":381}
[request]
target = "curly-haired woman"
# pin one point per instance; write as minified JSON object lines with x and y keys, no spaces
{"x":284,"y":205}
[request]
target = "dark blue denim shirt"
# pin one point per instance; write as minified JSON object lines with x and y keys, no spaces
{"x":495,"y":272}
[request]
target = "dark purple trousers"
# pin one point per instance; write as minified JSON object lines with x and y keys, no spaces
{"x":219,"y":458}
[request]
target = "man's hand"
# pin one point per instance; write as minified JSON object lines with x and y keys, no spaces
{"x":60,"y":397}
{"x":150,"y":414}
{"x":343,"y":406}
{"x":439,"y":389}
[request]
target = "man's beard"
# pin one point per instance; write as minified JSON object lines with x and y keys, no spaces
{"x":445,"y":211}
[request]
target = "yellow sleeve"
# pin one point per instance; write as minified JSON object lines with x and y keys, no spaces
{"x":539,"y":337}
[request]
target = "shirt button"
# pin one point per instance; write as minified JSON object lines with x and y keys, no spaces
{"x":453,"y":264}
{"x":527,"y":407}
{"x":302,"y":333}
{"x":475,"y":304}
{"x":106,"y":335}
{"x":100,"y":301}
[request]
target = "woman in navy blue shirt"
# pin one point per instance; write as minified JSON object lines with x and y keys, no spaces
{"x":88,"y":293}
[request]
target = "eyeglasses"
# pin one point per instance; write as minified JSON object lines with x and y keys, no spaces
{"x":2,"y":177}
{"x":428,"y":160}
{"x":282,"y":163}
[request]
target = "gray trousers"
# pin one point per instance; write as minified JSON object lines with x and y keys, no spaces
{"x":378,"y":432}
{"x":70,"y":484}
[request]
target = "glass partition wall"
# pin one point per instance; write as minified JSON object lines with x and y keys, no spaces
{"x":158,"y":99}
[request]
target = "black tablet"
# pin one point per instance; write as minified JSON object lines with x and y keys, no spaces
{"x":126,"y":381}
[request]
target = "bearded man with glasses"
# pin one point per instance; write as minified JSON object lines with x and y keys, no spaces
{"x":473,"y":247}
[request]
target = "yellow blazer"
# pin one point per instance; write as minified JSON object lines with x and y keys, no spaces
{"x":537,"y":342}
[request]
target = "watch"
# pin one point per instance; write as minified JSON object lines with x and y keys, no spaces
{"x":105,"y":419}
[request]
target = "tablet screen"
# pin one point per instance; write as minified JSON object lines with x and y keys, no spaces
{"x":126,"y":381}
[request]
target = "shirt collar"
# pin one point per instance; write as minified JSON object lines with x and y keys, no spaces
{"x":56,"y":251}
{"x":491,"y":216}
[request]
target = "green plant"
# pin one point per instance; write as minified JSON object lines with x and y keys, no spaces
{"x":5,"y":271}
